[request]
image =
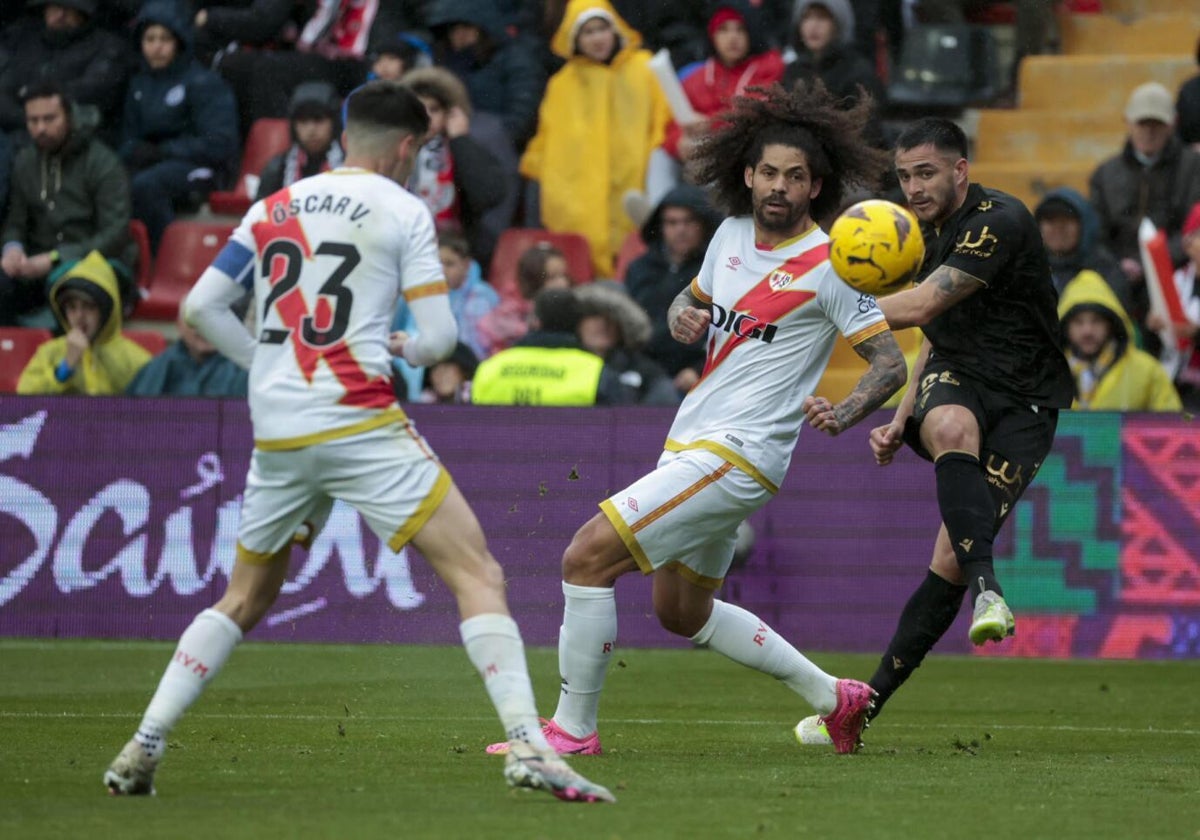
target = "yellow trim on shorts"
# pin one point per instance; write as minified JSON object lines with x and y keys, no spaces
{"x":974,"y":455}
{"x":726,"y":453}
{"x":868,"y":332}
{"x":698,"y":293}
{"x":391,"y":415}
{"x":690,"y":574}
{"x":628,"y":537}
{"x":438,"y":287}
{"x":260,"y":558}
{"x":424,"y":510}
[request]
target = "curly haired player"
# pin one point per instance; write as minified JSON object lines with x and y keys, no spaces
{"x":769,"y":307}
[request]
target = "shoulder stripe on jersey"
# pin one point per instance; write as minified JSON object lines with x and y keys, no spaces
{"x":868,"y":332}
{"x":698,"y":293}
{"x":426,"y":290}
{"x":236,"y":261}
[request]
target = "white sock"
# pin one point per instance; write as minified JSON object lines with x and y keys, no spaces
{"x":202,"y":650}
{"x":586,"y":642}
{"x":744,"y":638}
{"x":493,"y":644}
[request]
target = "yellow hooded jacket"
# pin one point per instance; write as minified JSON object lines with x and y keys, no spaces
{"x":597,"y":125}
{"x":1135,"y":381}
{"x":112,"y":360}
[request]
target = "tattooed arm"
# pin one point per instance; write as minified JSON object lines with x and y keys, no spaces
{"x":938,"y":292}
{"x":688,"y":317}
{"x":885,"y":376}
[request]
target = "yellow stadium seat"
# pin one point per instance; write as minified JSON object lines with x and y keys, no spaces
{"x":1155,"y":34}
{"x":1142,"y":8}
{"x":1022,"y":135}
{"x":1029,"y":181}
{"x":1099,"y":83}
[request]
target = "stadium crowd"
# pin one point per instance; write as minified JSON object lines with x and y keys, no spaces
{"x":548,"y":119}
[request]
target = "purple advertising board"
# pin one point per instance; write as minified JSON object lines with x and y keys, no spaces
{"x":118,"y":519}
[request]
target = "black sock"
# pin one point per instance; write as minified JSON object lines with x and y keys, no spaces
{"x":926,"y":617}
{"x":969,"y":516}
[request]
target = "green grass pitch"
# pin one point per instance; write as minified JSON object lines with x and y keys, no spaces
{"x":314,"y":741}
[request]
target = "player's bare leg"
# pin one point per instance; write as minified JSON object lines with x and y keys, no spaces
{"x":203,"y":649}
{"x":453,"y":543}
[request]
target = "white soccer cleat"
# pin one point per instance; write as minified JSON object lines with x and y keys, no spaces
{"x":527,"y":767}
{"x":811,"y":732}
{"x":131,"y":773}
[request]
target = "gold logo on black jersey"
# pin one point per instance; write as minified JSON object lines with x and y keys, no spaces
{"x":985,"y":206}
{"x":984,"y":245}
{"x":1001,"y":470}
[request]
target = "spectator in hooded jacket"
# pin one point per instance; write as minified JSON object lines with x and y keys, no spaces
{"x":179,"y":133}
{"x":92,"y":357}
{"x":740,"y":59}
{"x":823,"y":46}
{"x":1111,"y":373}
{"x":69,"y":195}
{"x":455,"y":175}
{"x":315,"y":115}
{"x":1070,"y":231}
{"x":502,"y":76}
{"x":677,"y":234}
{"x":191,"y":367}
{"x":602,"y":115}
{"x":615,"y":328}
{"x":66,"y":46}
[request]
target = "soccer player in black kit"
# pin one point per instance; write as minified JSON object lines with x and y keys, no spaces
{"x":985,"y":391}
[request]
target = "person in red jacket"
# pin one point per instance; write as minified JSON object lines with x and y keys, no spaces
{"x":740,"y":59}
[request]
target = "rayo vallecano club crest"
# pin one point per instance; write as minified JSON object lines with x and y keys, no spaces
{"x":779,"y":280}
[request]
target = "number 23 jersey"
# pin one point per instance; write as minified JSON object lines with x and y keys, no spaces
{"x":328,"y":258}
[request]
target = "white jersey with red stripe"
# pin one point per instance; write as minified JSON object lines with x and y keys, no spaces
{"x":327,"y":259}
{"x":776,"y":313}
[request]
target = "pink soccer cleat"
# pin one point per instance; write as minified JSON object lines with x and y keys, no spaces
{"x":562,"y":742}
{"x":848,"y":719}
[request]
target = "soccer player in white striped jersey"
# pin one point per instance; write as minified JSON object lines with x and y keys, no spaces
{"x":769,"y":307}
{"x":327,"y":259}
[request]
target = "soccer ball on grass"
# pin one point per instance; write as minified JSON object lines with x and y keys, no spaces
{"x":876,"y":246}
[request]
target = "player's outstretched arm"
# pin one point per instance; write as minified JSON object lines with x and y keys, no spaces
{"x":886,"y":374}
{"x":938,"y":292}
{"x":885,"y":440}
{"x":688,"y":317}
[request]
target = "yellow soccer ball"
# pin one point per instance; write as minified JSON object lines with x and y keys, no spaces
{"x":876,"y":247}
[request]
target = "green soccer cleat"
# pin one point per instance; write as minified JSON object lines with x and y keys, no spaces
{"x":992,"y":621}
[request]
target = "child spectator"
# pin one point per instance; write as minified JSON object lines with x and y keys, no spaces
{"x":471,"y":300}
{"x":457,"y":178}
{"x":93,"y":358}
{"x":191,"y":367}
{"x":541,"y":267}
{"x":179,"y":133}
{"x":602,"y":115}
{"x":1185,"y":366}
{"x":396,"y":56}
{"x":449,"y":381}
{"x":740,"y":58}
{"x":1111,"y":373}
{"x":616,"y":329}
{"x":314,"y":114}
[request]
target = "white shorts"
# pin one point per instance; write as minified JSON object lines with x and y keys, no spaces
{"x":389,"y":475}
{"x":685,"y":514}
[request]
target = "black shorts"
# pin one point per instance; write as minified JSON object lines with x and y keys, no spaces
{"x":1015,"y":437}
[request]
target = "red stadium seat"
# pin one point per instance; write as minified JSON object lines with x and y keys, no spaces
{"x":17,"y":345}
{"x":632,"y":248}
{"x":514,"y":242}
{"x":152,"y":340}
{"x":268,"y":137}
{"x":186,"y":249}
{"x":144,"y":269}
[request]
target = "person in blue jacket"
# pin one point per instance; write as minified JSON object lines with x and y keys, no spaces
{"x":179,"y":130}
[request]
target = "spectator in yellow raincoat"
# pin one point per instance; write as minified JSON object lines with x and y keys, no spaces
{"x":602,"y":115}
